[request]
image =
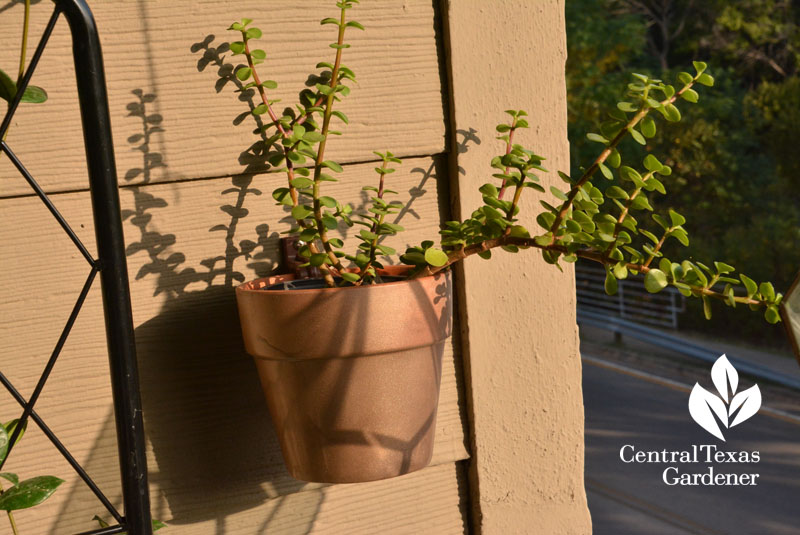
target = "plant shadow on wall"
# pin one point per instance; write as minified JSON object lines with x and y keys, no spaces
{"x":204,"y":411}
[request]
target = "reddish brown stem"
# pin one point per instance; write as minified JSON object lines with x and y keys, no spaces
{"x":573,"y":192}
{"x":588,"y":254}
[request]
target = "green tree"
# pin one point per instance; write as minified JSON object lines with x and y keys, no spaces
{"x":735,"y":176}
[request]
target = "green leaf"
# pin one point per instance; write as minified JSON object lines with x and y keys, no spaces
{"x":771,"y":314}
{"x":333,"y":166}
{"x":629,"y":173}
{"x":243,"y":73}
{"x":3,"y":443}
{"x":596,"y":138}
{"x":616,"y":192}
{"x":690,"y":95}
{"x":349,"y":277}
{"x":327,"y":202}
{"x":705,"y":79}
{"x":677,"y":219}
{"x":637,"y":136}
{"x":671,"y":113}
{"x":329,"y":20}
{"x":655,"y":280}
{"x":309,"y":234}
{"x":282,"y":196}
{"x":435,"y":257}
{"x":34,"y":94}
{"x":749,"y":284}
{"x":301,"y":212}
{"x":11,"y":426}
{"x":490,"y":190}
{"x":627,"y":107}
{"x":648,"y":126}
{"x":341,"y":116}
{"x":611,"y":283}
{"x":313,"y":137}
{"x":723,"y":268}
{"x":651,"y":163}
{"x":767,"y":291}
{"x":237,"y":47}
{"x":707,"y":307}
{"x":367,"y":235}
{"x":614,"y":159}
{"x":557,"y":193}
{"x":685,"y":78}
{"x":699,"y":66}
{"x":7,"y":87}
{"x":29,"y":493}
{"x":317,"y":259}
{"x":13,"y":478}
{"x":302,"y":182}
{"x":606,"y":173}
{"x":253,"y":33}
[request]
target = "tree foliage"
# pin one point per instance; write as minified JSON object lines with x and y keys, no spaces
{"x":736,"y":173}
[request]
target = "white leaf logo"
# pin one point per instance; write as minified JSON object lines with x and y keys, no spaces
{"x":722,"y":373}
{"x":749,"y":400}
{"x":708,"y":409}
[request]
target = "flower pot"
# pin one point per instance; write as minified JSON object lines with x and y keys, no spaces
{"x":351,"y":375}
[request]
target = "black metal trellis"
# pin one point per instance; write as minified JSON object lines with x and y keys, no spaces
{"x":110,"y":264}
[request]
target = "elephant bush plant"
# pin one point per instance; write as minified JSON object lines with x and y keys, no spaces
{"x":579,"y":221}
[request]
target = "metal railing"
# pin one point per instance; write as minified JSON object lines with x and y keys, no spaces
{"x":110,"y":264}
{"x":679,"y":345}
{"x":631,"y":302}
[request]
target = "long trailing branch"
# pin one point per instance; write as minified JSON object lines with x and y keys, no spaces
{"x":587,"y":254}
{"x":579,"y":229}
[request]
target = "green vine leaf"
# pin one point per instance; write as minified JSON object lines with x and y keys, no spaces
{"x":29,"y":493}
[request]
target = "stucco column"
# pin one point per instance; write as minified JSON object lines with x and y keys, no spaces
{"x":521,"y":345}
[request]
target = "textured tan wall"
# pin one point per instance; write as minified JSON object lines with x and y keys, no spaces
{"x":213,"y":458}
{"x":524,"y":371}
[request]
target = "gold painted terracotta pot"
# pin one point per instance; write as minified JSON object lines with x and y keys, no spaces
{"x":351,"y":375}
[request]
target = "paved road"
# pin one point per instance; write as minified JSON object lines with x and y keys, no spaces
{"x":653,"y":416}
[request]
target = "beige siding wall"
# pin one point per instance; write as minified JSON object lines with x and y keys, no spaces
{"x":199,"y":218}
{"x":195,"y":226}
{"x":523,"y":367}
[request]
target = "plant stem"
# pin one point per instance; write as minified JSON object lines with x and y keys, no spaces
{"x":624,"y":213}
{"x":10,"y":516}
{"x":13,"y":523}
{"x":573,"y":192}
{"x":24,"y":47}
{"x":509,"y":144}
{"x":321,"y":228}
{"x":588,"y":254}
{"x":656,"y":248}
{"x":373,"y":246}
{"x":326,"y":274}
